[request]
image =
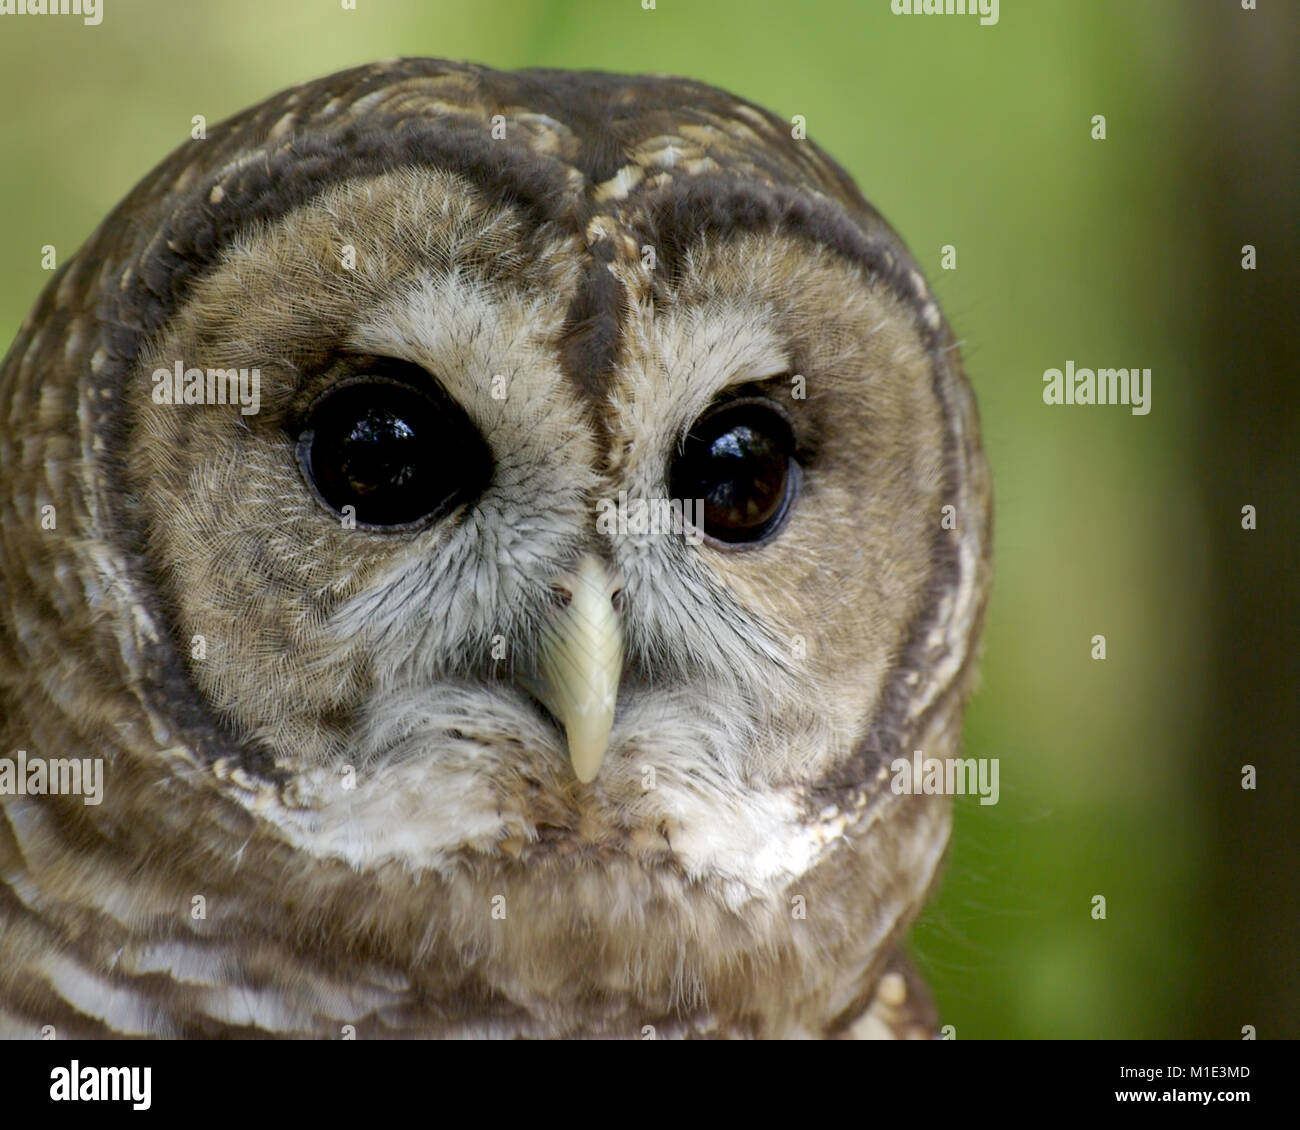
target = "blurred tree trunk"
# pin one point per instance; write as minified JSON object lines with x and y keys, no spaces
{"x":1248,"y":143}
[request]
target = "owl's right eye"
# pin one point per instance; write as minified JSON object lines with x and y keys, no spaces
{"x":395,"y":453}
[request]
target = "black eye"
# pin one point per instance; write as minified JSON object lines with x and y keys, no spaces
{"x":394,"y":452}
{"x":739,"y":458}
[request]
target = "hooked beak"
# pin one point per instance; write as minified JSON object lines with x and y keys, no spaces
{"x":580,"y":662}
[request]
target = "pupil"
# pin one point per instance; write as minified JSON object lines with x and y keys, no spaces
{"x":737,"y":459}
{"x":748,"y":476}
{"x":395,"y":453}
{"x":377,"y":452}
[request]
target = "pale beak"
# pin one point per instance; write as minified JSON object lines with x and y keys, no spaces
{"x":580,"y":662}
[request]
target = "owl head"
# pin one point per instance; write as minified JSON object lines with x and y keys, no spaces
{"x":506,"y":526}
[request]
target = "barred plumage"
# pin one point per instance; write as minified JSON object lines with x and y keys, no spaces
{"x":331,"y":796}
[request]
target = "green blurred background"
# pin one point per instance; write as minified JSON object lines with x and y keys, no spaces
{"x":1118,"y":777}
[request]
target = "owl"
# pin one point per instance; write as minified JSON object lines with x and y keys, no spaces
{"x":473,"y":544}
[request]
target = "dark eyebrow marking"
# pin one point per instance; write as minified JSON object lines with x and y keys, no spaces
{"x":589,"y":345}
{"x":678,"y":217}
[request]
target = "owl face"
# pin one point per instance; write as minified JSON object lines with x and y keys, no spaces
{"x":420,"y":685}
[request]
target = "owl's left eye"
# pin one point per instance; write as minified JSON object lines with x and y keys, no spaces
{"x":739,"y":459}
{"x":395,"y":453}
